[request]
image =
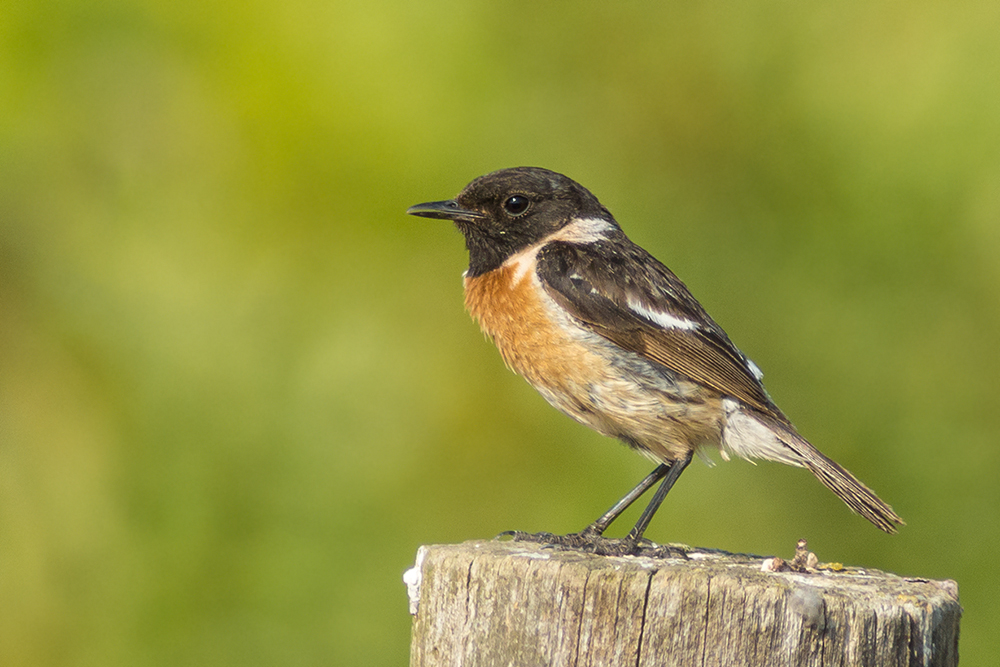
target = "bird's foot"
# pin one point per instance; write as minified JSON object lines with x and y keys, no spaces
{"x":595,"y":543}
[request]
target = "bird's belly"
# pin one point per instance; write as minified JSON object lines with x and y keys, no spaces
{"x":614,"y":391}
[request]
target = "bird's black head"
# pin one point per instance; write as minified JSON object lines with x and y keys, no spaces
{"x":512,"y":209}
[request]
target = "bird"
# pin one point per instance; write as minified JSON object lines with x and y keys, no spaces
{"x":611,"y":337}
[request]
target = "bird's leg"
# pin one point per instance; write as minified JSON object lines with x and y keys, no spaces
{"x":592,"y":537}
{"x":597,"y":528}
{"x":676,"y":468}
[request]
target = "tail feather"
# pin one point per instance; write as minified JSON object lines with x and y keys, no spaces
{"x":753,"y":434}
{"x":848,"y":488}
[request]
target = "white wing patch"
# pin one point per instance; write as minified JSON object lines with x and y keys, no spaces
{"x":668,"y":321}
{"x":665,"y":320}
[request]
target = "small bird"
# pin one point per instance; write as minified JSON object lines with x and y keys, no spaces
{"x":612,"y":338}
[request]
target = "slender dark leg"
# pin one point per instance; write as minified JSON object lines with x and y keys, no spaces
{"x":592,"y":537}
{"x":675,"y":470}
{"x":601,"y":525}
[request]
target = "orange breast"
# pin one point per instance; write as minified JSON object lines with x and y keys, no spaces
{"x":510,"y":310}
{"x":570,"y":367}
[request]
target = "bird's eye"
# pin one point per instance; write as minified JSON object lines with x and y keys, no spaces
{"x":516,"y":204}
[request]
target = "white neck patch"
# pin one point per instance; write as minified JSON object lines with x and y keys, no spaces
{"x":582,"y":230}
{"x":579,"y":230}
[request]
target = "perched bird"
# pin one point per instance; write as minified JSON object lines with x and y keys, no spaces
{"x":612,"y":338}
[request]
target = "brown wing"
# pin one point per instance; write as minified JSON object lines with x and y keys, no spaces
{"x":623,"y":293}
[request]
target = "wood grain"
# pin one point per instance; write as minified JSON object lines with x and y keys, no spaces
{"x":506,"y":603}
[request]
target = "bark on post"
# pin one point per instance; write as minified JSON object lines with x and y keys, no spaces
{"x":515,"y":603}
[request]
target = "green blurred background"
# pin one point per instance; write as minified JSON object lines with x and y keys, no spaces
{"x":238,"y":388}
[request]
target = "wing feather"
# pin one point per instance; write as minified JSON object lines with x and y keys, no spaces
{"x":623,"y":293}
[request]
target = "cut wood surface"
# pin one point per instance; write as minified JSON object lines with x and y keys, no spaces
{"x":516,"y":603}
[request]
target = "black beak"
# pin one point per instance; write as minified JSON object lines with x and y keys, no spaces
{"x":443,"y":210}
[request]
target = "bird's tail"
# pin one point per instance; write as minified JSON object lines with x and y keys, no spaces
{"x":848,"y":488}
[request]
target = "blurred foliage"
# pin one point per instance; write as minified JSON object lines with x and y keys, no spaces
{"x":237,"y":388}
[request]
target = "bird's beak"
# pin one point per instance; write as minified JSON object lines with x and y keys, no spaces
{"x":444,"y":210}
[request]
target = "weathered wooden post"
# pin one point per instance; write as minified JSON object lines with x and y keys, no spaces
{"x":515,"y":603}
